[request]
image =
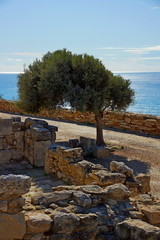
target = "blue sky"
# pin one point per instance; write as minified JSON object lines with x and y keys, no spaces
{"x":124,"y":34}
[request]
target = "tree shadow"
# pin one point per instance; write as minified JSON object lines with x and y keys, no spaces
{"x":137,"y":165}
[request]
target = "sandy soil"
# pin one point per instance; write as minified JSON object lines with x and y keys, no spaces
{"x":140,"y":152}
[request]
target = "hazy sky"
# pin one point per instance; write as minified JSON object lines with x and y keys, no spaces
{"x":124,"y":34}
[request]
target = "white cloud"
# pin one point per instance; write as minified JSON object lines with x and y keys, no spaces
{"x":150,"y":58}
{"x":156,"y":7}
{"x":33,"y":54}
{"x":134,"y":50}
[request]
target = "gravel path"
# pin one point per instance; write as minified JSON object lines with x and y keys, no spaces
{"x":141,"y":152}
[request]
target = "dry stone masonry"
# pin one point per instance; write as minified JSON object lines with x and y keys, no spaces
{"x":94,"y":203}
{"x":27,"y":139}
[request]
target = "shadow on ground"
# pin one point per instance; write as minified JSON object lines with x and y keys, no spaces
{"x":137,"y":165}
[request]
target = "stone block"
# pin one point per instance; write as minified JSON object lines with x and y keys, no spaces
{"x":73,"y":153}
{"x":145,"y":182}
{"x":101,"y":152}
{"x":105,"y":178}
{"x":137,"y":229}
{"x":65,"y":222}
{"x":117,"y":192}
{"x":40,"y":133}
{"x":5,"y":127}
{"x":122,"y":168}
{"x":88,"y":145}
{"x":13,"y":186}
{"x":5,"y":156}
{"x":38,"y":223}
{"x":73,"y":143}
{"x":40,"y":149}
{"x":3,"y":206}
{"x":12,"y":226}
{"x":152,"y":214}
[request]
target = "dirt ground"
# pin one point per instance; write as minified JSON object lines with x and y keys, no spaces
{"x":140,"y":152}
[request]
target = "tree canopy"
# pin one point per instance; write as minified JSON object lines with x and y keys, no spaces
{"x":80,"y":80}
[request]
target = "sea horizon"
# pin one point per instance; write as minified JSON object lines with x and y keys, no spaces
{"x":145,"y":84}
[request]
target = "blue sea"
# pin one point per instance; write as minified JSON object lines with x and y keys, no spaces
{"x":146,"y":86}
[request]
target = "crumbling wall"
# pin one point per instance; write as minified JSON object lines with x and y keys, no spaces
{"x":12,"y":219}
{"x":68,"y":164}
{"x":28,"y":139}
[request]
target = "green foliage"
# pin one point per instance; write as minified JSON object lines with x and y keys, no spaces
{"x":121,"y":94}
{"x":1,"y":96}
{"x":29,"y":95}
{"x":88,"y":88}
{"x":81,"y":80}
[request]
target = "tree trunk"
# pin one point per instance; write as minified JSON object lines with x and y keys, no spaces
{"x":99,"y":139}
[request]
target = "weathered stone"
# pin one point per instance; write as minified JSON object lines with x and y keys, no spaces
{"x":3,"y":206}
{"x":105,"y":178}
{"x":136,"y":215}
{"x":92,"y":189}
{"x":12,"y":226}
{"x":117,"y":192}
{"x":88,"y":221}
{"x":82,"y":199}
{"x":152,"y":214}
{"x":39,"y":153}
{"x":73,"y":153}
{"x":73,"y":143}
{"x":48,"y":198}
{"x":145,"y":182}
{"x":88,"y":145}
{"x":5,"y":156}
{"x":38,"y":223}
{"x":5,"y":127}
{"x":122,"y":168}
{"x":101,"y":152}
{"x":137,"y":230}
{"x":134,"y":186}
{"x":40,"y":133}
{"x":28,"y":122}
{"x":13,"y":186}
{"x":65,"y":222}
{"x":16,"y":205}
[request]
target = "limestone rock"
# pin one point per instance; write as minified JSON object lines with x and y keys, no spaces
{"x":65,"y":222}
{"x":48,"y":198}
{"x":12,"y":226}
{"x":145,"y":182}
{"x":105,"y":178}
{"x":88,"y":221}
{"x":152,"y":214}
{"x":82,"y":199}
{"x":117,"y":192}
{"x":73,"y":153}
{"x":5,"y":127}
{"x":122,"y":168}
{"x":16,"y":205}
{"x":101,"y":152}
{"x":13,"y":186}
{"x":38,"y":223}
{"x":137,"y":230}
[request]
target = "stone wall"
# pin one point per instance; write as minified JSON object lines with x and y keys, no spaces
{"x":68,"y":164}
{"x":126,"y":121}
{"x":27,"y":139}
{"x":12,"y":219}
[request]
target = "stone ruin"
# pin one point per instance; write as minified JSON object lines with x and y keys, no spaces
{"x":95,"y":203}
{"x":28,"y":140}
